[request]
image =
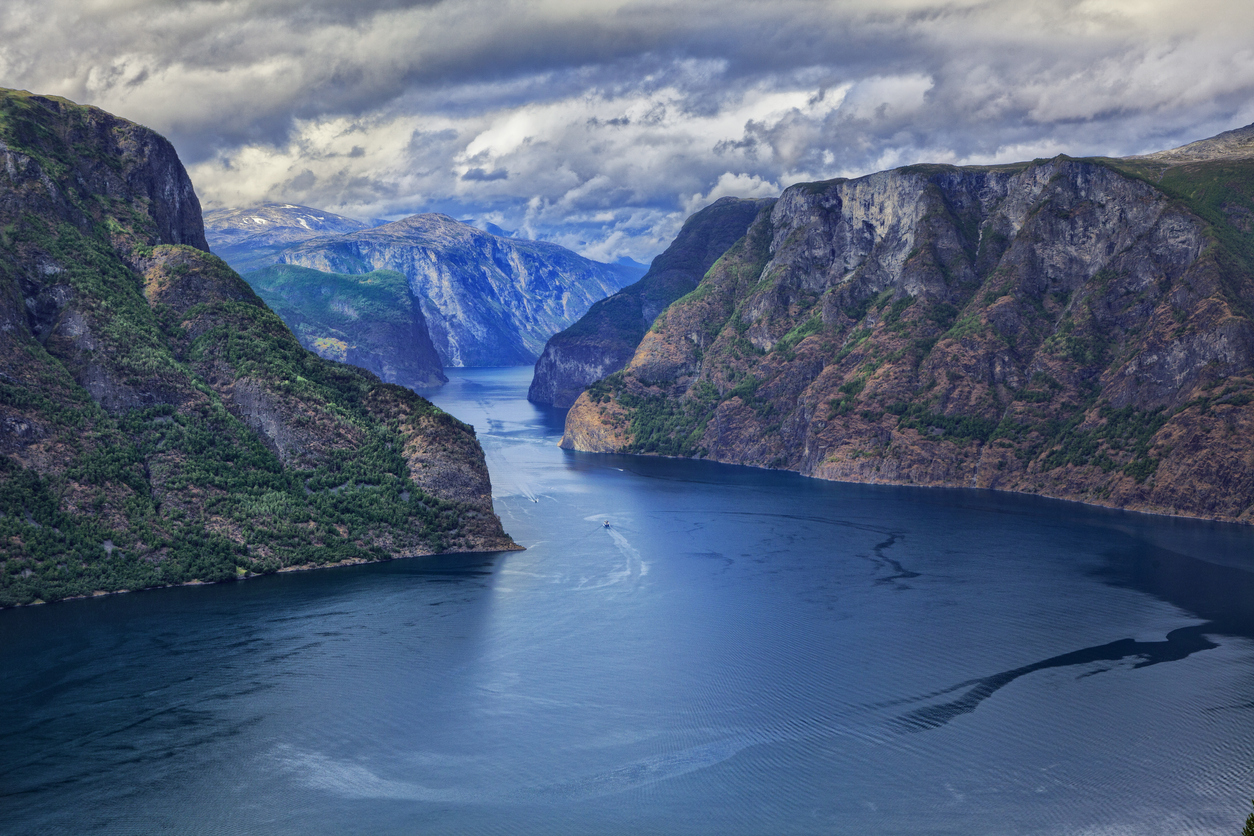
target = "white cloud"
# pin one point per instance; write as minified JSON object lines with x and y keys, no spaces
{"x":732,"y":185}
{"x":599,"y":124}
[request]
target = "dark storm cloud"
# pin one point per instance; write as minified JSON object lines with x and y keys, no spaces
{"x":485,"y":176}
{"x":600,"y":123}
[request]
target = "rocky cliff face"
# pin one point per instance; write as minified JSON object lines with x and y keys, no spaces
{"x":369,"y":320}
{"x":487,"y":300}
{"x":604,"y":338}
{"x":1073,"y":328}
{"x":251,"y":238}
{"x":158,"y":423}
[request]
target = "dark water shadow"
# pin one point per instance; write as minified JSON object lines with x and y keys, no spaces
{"x":1178,"y":645}
{"x":81,"y":674}
{"x":1221,"y":594}
{"x":900,"y":573}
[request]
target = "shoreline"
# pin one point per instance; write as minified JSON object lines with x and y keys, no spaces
{"x":306,"y":567}
{"x":891,"y":483}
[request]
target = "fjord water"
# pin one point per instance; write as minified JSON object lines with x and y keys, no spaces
{"x":740,"y":651}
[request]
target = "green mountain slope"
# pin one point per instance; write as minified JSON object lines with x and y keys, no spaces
{"x":158,"y":423}
{"x":1073,"y":328}
{"x":370,"y":320}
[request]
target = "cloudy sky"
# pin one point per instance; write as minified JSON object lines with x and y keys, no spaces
{"x":600,"y":124}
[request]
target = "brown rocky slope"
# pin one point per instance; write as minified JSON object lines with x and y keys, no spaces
{"x":1073,"y":328}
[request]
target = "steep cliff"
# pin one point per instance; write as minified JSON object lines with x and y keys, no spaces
{"x":158,"y":423}
{"x":1073,"y":328}
{"x":604,"y":338}
{"x":251,"y":238}
{"x":487,"y":300}
{"x":369,"y":320}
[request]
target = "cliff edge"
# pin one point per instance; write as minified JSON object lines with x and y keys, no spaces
{"x":1079,"y":329}
{"x":158,"y":423}
{"x":603,"y":340}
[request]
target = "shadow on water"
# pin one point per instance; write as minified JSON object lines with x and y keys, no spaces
{"x":550,"y":418}
{"x":79,"y":675}
{"x":1221,"y":594}
{"x":900,"y":572}
{"x":1178,"y":645}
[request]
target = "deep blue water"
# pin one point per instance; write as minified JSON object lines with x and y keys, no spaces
{"x":741,"y":652}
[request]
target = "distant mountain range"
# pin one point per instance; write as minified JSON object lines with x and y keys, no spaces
{"x":1076,"y":328}
{"x":482,"y":299}
{"x":250,"y":239}
{"x":604,"y":338}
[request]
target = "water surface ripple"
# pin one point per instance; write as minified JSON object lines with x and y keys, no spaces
{"x":740,"y":652}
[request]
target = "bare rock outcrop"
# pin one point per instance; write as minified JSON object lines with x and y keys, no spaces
{"x":1074,"y":328}
{"x":604,"y":339}
{"x":487,"y":300}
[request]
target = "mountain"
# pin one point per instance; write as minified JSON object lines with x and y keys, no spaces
{"x":1229,"y":145}
{"x":249,"y":239}
{"x":604,"y":338}
{"x":158,"y":423}
{"x":625,"y":261}
{"x":370,"y":320}
{"x":1076,"y":328}
{"x":487,"y":300}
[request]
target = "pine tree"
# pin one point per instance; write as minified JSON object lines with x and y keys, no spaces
{"x":1249,"y":825}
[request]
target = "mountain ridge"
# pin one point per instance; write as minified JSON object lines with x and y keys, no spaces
{"x":249,"y":238}
{"x":1075,"y":328}
{"x":158,"y":423}
{"x":486,"y":300}
{"x":1237,"y":144}
{"x":603,"y":339}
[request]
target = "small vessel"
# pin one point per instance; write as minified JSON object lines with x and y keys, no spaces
{"x":607,"y":524}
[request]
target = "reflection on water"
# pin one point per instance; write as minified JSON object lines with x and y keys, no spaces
{"x":740,"y":651}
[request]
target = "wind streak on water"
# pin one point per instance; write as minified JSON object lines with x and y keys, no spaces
{"x":740,"y":652}
{"x":354,"y":780}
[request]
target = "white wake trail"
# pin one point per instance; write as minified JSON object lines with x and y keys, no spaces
{"x":633,"y":565}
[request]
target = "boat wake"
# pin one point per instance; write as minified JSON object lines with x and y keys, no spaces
{"x":632,"y":568}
